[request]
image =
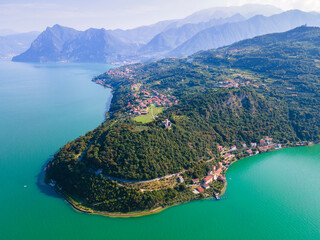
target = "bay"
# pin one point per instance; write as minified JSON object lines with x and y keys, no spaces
{"x":43,"y":106}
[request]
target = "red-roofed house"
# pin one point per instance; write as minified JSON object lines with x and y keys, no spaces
{"x":200,"y":189}
{"x":207,"y":180}
{"x":262,"y":142}
{"x":253,"y":145}
{"x":195,"y":180}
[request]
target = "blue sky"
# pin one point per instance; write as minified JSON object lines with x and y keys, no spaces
{"x":28,"y":15}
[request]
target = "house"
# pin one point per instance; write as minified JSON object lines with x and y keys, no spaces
{"x":233,"y":148}
{"x":207,"y":179}
{"x":249,"y":152}
{"x":206,"y":186}
{"x":145,"y":93}
{"x":278,"y":146}
{"x":196,"y":180}
{"x":253,"y":145}
{"x":180,"y":179}
{"x":218,"y":171}
{"x":221,"y":178}
{"x":220,"y":148}
{"x":167,"y":123}
{"x":263,"y":148}
{"x":262,"y":142}
{"x":200,"y":189}
{"x":228,"y":156}
{"x":243,"y":145}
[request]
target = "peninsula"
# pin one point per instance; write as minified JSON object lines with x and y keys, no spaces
{"x":175,"y":125}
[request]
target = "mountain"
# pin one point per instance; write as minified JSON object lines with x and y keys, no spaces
{"x":48,"y":45}
{"x":142,"y":35}
{"x":228,"y":33}
{"x":140,"y":44}
{"x":169,"y":39}
{"x":232,"y":96}
{"x":14,"y":44}
{"x":247,"y":11}
{"x":96,"y":45}
{"x":60,"y":43}
{"x":181,"y":30}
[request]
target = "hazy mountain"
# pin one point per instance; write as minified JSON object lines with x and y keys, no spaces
{"x":99,"y":45}
{"x":145,"y":33}
{"x":66,"y":44}
{"x":14,"y":44}
{"x":141,"y":34}
{"x":229,"y":33}
{"x":173,"y":37}
{"x":48,"y":45}
{"x":248,"y":11}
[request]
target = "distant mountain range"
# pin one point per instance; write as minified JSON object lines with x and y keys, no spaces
{"x":210,"y":28}
{"x":13,"y":44}
{"x":228,"y":33}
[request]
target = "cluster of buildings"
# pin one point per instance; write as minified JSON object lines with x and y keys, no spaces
{"x":142,"y":99}
{"x":127,"y":72}
{"x":213,"y":175}
{"x":229,"y":84}
{"x":266,"y":144}
{"x":238,"y":80}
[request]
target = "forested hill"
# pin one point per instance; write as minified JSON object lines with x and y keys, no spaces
{"x":266,"y":86}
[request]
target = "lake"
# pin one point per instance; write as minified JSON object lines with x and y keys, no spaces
{"x":43,"y":106}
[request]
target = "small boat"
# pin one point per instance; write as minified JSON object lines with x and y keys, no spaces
{"x":25,"y":186}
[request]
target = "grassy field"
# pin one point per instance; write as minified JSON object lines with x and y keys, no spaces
{"x":155,"y":110}
{"x":152,"y":110}
{"x":144,"y":118}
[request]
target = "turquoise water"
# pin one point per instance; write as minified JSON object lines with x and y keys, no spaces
{"x":43,"y":106}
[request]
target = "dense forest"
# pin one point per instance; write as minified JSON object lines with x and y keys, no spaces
{"x":266,"y":86}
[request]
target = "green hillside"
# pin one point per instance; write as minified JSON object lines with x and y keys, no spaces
{"x":266,"y":86}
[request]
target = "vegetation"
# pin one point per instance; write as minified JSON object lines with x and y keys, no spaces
{"x":266,"y":86}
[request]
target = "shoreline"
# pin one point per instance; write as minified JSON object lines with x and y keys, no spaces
{"x":83,"y":209}
{"x":79,"y":208}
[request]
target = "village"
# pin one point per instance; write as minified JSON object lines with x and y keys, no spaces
{"x":142,"y":100}
{"x":217,"y":173}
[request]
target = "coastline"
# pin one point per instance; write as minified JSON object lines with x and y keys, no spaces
{"x":80,"y":208}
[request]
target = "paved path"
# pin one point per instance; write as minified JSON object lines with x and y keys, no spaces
{"x":142,"y":181}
